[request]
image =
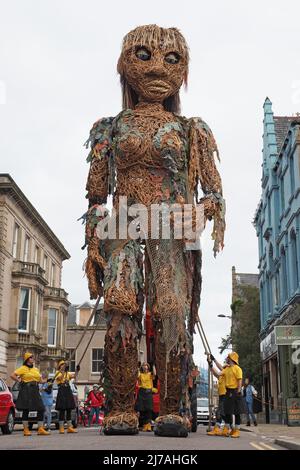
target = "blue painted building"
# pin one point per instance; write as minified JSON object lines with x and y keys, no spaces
{"x":277,"y":223}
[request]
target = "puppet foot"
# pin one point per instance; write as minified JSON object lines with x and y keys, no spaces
{"x":172,"y":426}
{"x":121,"y":423}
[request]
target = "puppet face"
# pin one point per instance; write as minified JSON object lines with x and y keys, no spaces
{"x":154,"y":73}
{"x":154,"y":62}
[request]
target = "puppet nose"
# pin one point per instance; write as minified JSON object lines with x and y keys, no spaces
{"x":157,"y":70}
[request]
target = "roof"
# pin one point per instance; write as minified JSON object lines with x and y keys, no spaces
{"x":8,"y":186}
{"x":86,"y":305}
{"x":71,"y":318}
{"x":282,"y":125}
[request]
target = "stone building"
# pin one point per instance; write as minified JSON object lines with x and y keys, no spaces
{"x":90,"y":351}
{"x":91,"y":348}
{"x":33,"y":304}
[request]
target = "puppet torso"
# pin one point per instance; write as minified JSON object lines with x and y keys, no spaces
{"x":150,"y":155}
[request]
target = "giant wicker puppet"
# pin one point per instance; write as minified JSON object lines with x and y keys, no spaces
{"x":151,"y":155}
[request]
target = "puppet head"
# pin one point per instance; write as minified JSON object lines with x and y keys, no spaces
{"x":153,"y":65}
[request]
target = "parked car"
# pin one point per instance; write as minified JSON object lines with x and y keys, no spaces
{"x":203,"y":411}
{"x":7,"y":409}
{"x":32,"y":417}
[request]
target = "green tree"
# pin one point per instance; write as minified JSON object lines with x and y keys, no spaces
{"x":225,"y":343}
{"x":244,"y":337}
{"x":245,"y":332}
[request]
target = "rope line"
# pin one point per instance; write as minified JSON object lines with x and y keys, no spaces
{"x":210,"y":375}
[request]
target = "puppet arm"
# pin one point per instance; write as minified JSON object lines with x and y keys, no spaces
{"x":202,"y":168}
{"x":98,"y":188}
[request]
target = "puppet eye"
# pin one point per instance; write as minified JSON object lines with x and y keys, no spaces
{"x":172,"y":58}
{"x":143,"y":54}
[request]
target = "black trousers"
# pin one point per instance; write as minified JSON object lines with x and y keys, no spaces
{"x":228,"y":419}
{"x":145,"y":417}
{"x":62,"y":414}
{"x":220,"y":415}
{"x":233,"y":406}
{"x":40,"y":415}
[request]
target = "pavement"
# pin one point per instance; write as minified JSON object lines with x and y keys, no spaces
{"x":91,"y":439}
{"x":282,"y":435}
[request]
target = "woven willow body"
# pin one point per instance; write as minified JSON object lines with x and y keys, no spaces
{"x":149,"y":155}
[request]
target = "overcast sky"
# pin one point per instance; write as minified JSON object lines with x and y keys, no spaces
{"x":58,"y":75}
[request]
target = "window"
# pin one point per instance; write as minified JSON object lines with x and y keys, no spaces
{"x":36,"y":255}
{"x":282,"y":194}
{"x":294,"y":254}
{"x":292,"y":175}
{"x":262,"y":304}
{"x":26,"y":248}
{"x":52,"y":275}
{"x":97,"y":357}
{"x":52,"y":324}
{"x":62,"y":324}
{"x":269,"y":296}
{"x":15,"y":241}
{"x":73,"y":361}
{"x":269,"y":211}
{"x":276,"y":210}
{"x":261,"y":243}
{"x":45,"y":264}
{"x":36,"y":313}
{"x":24,"y":309}
{"x":283,"y":275}
{"x":276,"y":289}
{"x":202,"y":402}
{"x":271,"y":257}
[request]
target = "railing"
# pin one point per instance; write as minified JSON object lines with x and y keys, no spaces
{"x":53,"y":352}
{"x":23,"y":338}
{"x":28,"y":268}
{"x":29,"y":338}
{"x":55,"y":292}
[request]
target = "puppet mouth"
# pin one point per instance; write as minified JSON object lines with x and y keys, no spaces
{"x":158,"y":86}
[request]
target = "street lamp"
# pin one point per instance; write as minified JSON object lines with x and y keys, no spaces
{"x":221,"y":315}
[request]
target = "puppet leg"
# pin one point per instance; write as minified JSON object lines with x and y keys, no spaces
{"x":173,"y":378}
{"x":170,"y":308}
{"x":123,"y":301}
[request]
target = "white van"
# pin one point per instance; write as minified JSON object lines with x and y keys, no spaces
{"x":202,"y":410}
